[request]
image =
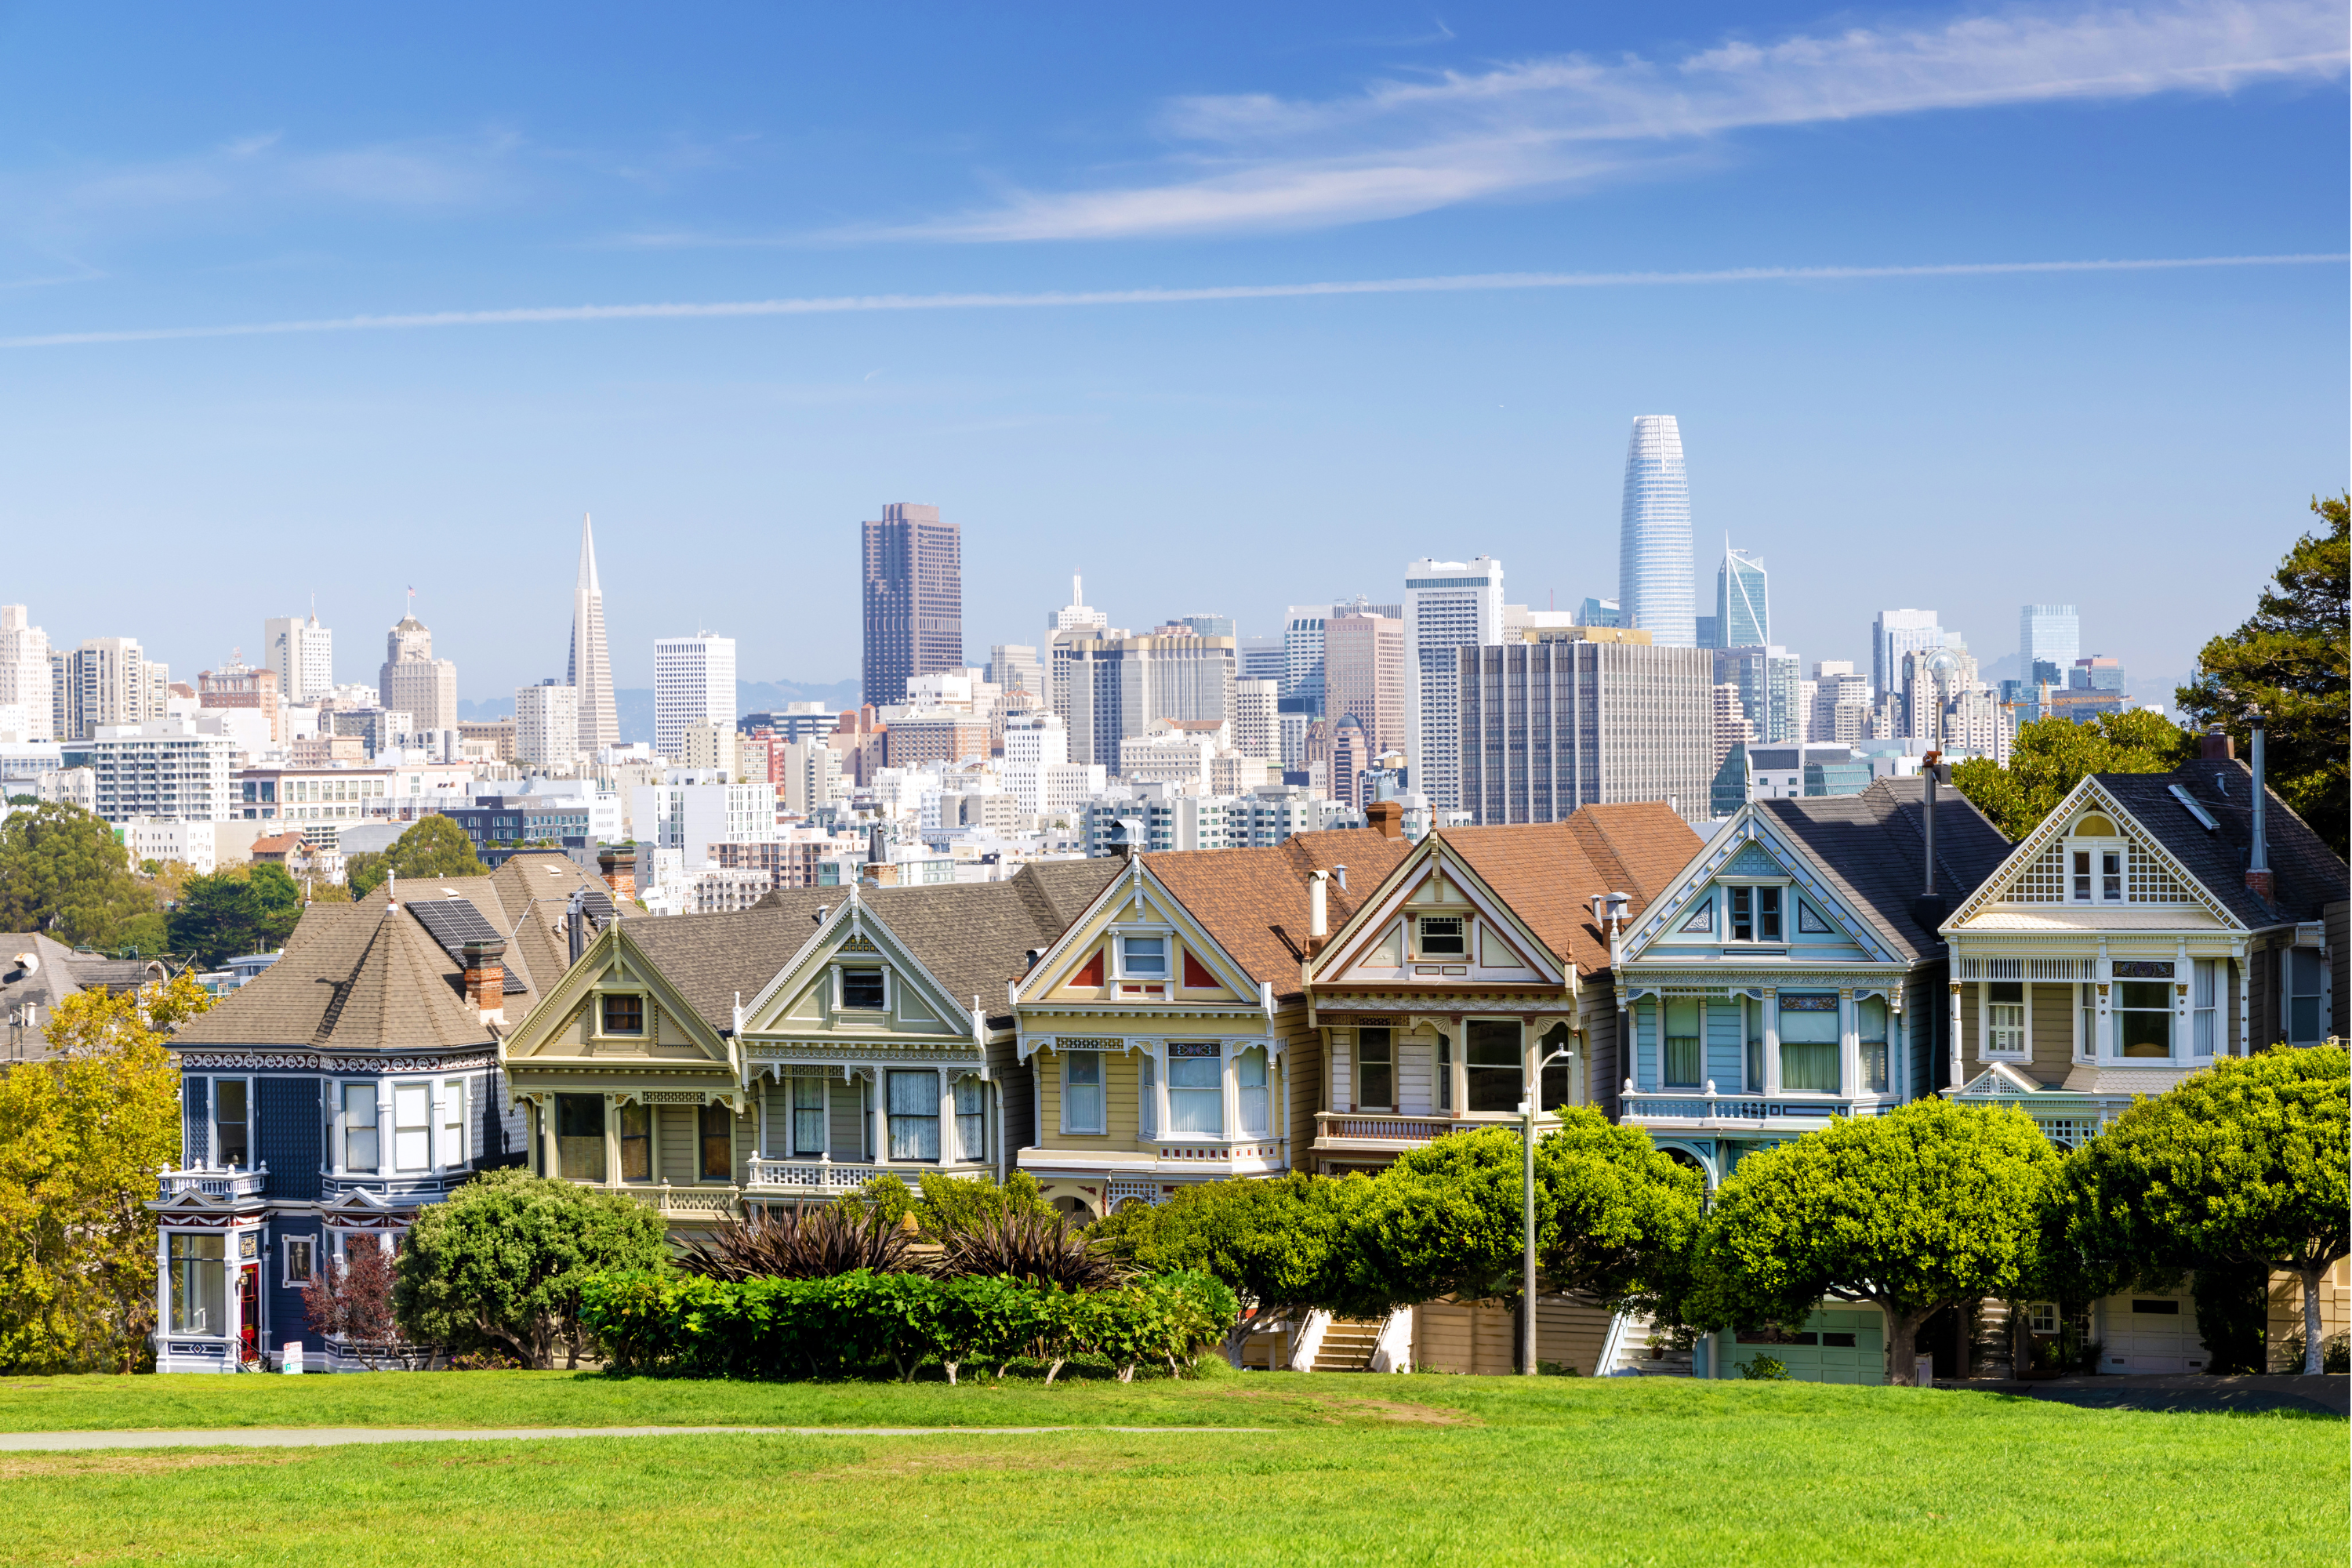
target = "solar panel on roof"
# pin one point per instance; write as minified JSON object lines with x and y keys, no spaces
{"x":453,"y":922}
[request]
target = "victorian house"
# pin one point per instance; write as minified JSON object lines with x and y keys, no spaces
{"x":1167,"y":1031}
{"x":351,"y":1081}
{"x":2152,"y":923}
{"x":714,"y":1065}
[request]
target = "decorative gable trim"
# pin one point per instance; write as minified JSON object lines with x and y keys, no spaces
{"x":1433,"y":863}
{"x":2000,"y":1079}
{"x":578,"y":984}
{"x":830,"y":938}
{"x":1132,"y":897}
{"x":2031,"y":858}
{"x":1749,"y":837}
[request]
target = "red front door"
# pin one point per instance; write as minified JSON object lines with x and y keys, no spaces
{"x":248,"y":1312}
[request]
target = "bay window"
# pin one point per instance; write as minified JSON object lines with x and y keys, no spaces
{"x":2203,"y":994}
{"x":580,"y":1137}
{"x":1870,"y":1030}
{"x":2005,"y":1019}
{"x":971,"y":1126}
{"x":1375,"y":1070}
{"x":636,"y":1143}
{"x":1495,"y":1067}
{"x":1146,"y":1097}
{"x":1682,"y":1062}
{"x":412,"y":1126}
{"x":1082,"y":1091}
{"x":453,"y":1122}
{"x":1196,"y":1089}
{"x":914,"y":1111}
{"x":1254,"y":1090}
{"x":2142,"y":1010}
{"x":1446,"y":1073}
{"x":359,"y":1127}
{"x":1809,"y":1042}
{"x":199,"y":1270}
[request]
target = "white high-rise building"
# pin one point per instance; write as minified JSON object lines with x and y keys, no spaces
{"x":1893,"y":633}
{"x":547,"y":724}
{"x":1448,"y":604}
{"x":2046,"y":633}
{"x":107,"y":680}
{"x":415,"y":682}
{"x":1656,"y":586}
{"x":302,"y":652}
{"x":1257,"y":731}
{"x":1302,"y":640}
{"x":811,"y":775}
{"x":164,"y":767}
{"x":1078,"y":613}
{"x":25,"y":675}
{"x":694,"y":683}
{"x":590,"y":668}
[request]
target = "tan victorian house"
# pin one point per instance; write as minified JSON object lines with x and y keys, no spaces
{"x":1167,"y":1031}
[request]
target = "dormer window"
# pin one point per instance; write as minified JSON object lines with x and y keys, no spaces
{"x":1442,"y":936}
{"x":625,"y":1013}
{"x":2095,"y":861}
{"x":1755,"y":914}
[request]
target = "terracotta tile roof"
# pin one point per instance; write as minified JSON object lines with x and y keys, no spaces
{"x":1241,"y":894}
{"x":1549,"y":871}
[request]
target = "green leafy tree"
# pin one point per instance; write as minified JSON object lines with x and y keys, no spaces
{"x":241,"y":908}
{"x":1930,"y":1206}
{"x":2289,"y":660}
{"x":435,"y":847}
{"x":1612,"y":1217}
{"x":501,"y":1263}
{"x":2242,"y":1166}
{"x":1277,"y":1245}
{"x":82,"y":1134}
{"x":2054,"y":754}
{"x":63,"y":871}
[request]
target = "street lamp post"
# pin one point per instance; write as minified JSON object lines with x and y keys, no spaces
{"x":1527,"y":1211}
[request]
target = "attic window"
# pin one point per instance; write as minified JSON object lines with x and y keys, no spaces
{"x":863,"y":989}
{"x":1441,"y":936}
{"x":625,"y":1015}
{"x":2095,"y":825}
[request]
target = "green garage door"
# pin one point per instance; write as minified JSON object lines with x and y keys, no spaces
{"x":1831,"y":1347}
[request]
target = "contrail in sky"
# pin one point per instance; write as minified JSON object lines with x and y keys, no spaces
{"x":840,"y":304}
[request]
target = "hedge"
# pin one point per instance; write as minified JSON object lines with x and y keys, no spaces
{"x":863,"y":1323}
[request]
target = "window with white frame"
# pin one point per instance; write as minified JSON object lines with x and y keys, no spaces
{"x":198,"y":1268}
{"x":1496,"y":1066}
{"x":2042,"y":1317}
{"x":1809,"y":1042}
{"x":2095,"y":859}
{"x":1196,"y":1089}
{"x":1870,"y":1034}
{"x":808,"y":1116}
{"x":359,"y":1127}
{"x":2203,"y":998}
{"x":1442,"y":936}
{"x":1143,"y":958}
{"x":1147,"y":1099}
{"x":1751,"y":1023}
{"x":1375,"y":1070}
{"x":232,"y":1122}
{"x":863,"y":989}
{"x":2304,"y":1025}
{"x":1685,"y":1045}
{"x":299,"y":1256}
{"x":1755,"y":914}
{"x":637,"y":1135}
{"x":2143,"y":1009}
{"x":2086,"y":1024}
{"x":453,"y":1122}
{"x":2005,"y":1030}
{"x":412,"y":1126}
{"x":1445,"y":1072}
{"x":914,"y":1111}
{"x":971,"y":1123}
{"x":1082,"y":1091}
{"x":580,"y":1137}
{"x":1254,"y":1092}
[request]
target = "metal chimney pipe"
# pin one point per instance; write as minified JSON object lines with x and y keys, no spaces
{"x":2259,"y":857}
{"x":1927,"y":878}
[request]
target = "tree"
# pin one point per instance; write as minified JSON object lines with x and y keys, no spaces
{"x":502,"y":1261}
{"x":1930,"y":1206}
{"x":1447,"y":1219}
{"x":240,"y":908}
{"x":2289,"y":660}
{"x":82,"y":1134}
{"x":2054,"y":754}
{"x":1276,"y":1245}
{"x":435,"y":847}
{"x":352,"y":1300}
{"x":63,"y":871}
{"x":2241,"y":1166}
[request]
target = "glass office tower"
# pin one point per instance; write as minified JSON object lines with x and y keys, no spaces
{"x":1655,"y":569}
{"x":1743,"y":610}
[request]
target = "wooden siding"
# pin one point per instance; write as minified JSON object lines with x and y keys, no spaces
{"x":1416,"y":1071}
{"x":1302,"y":1071}
{"x":847,"y":1113}
{"x":674,"y":1136}
{"x":1481,"y":1338}
{"x":1725,"y":1050}
{"x":2050,"y":1011}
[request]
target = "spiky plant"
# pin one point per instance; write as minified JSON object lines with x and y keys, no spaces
{"x":802,"y":1244}
{"x":1041,"y":1248}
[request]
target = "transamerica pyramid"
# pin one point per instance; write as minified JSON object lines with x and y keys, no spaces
{"x":591,"y":668}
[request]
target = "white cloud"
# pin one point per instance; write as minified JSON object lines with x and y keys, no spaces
{"x":1255,"y":161}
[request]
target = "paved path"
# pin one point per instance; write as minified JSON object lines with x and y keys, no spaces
{"x":328,"y":1437}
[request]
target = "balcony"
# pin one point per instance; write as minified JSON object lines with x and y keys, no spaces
{"x":806,"y":1177}
{"x":397,"y":1189}
{"x":227,"y":1186}
{"x":1689,"y":1111}
{"x":1379,"y":1130}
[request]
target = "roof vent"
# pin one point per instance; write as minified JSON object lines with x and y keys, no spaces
{"x":2189,"y":803}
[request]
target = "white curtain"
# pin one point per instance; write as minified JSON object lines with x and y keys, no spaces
{"x":1196,"y":1096}
{"x":1255,"y":1092}
{"x":914,"y":1109}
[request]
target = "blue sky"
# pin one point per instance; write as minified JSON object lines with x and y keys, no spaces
{"x":2140,"y":441}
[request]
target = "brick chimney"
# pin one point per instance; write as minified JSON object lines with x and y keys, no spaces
{"x":1387,"y":817}
{"x":486,"y":978}
{"x":619,"y":869}
{"x":2215,"y":746}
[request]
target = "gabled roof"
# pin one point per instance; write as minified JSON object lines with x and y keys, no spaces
{"x":1549,"y":871}
{"x":58,"y":972}
{"x":1241,"y":895}
{"x":2306,"y":875}
{"x":1871,"y":847}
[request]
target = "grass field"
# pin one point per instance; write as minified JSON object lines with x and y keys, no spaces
{"x":1359,"y":1469}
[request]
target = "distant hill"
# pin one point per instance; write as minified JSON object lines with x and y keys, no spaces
{"x":634,"y":705}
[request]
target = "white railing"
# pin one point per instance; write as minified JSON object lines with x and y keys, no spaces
{"x":698,"y":1201}
{"x":1383,"y":1128}
{"x":240,"y":1183}
{"x":1744,"y":1110}
{"x":806,"y":1176}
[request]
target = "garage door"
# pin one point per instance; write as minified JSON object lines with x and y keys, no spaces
{"x":1831,"y":1347}
{"x":2149,"y":1333}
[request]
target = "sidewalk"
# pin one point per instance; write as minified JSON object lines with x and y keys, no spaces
{"x":2327,"y":1394}
{"x":330,"y":1436}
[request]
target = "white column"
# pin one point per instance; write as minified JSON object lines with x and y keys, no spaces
{"x":1849,"y":1044}
{"x":878,"y":1121}
{"x":612,"y":1140}
{"x":1771,"y":1005}
{"x":384,"y":1128}
{"x":1958,"y":1075}
{"x":947,"y":1137}
{"x":2245,"y":1001}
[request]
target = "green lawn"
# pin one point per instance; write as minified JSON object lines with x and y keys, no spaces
{"x":1419,"y":1468}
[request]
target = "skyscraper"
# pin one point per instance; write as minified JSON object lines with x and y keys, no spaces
{"x":1893,"y":633}
{"x":107,"y":680}
{"x":1655,"y":573}
{"x":1566,"y":721}
{"x":1448,"y":604}
{"x":914,"y":598}
{"x":694,"y":683}
{"x":2050,"y":635}
{"x":25,"y":676}
{"x":588,"y":671}
{"x":302,"y":652}
{"x":1743,"y":613}
{"x":412,"y":681}
{"x":1364,"y":674}
{"x":547,"y":724}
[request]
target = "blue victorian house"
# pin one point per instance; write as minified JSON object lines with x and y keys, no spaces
{"x":348,"y":1083}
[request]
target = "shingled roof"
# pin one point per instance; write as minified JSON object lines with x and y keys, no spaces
{"x":1243,"y":896}
{"x":2306,"y":875}
{"x":1872,"y":846}
{"x":54,"y":972}
{"x":1547,"y":871}
{"x":368,"y":976}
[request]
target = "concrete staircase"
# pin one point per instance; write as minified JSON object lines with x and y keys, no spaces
{"x":1635,"y":1356}
{"x":1347,"y":1345}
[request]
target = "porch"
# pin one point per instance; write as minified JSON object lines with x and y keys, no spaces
{"x":1747,"y":1115}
